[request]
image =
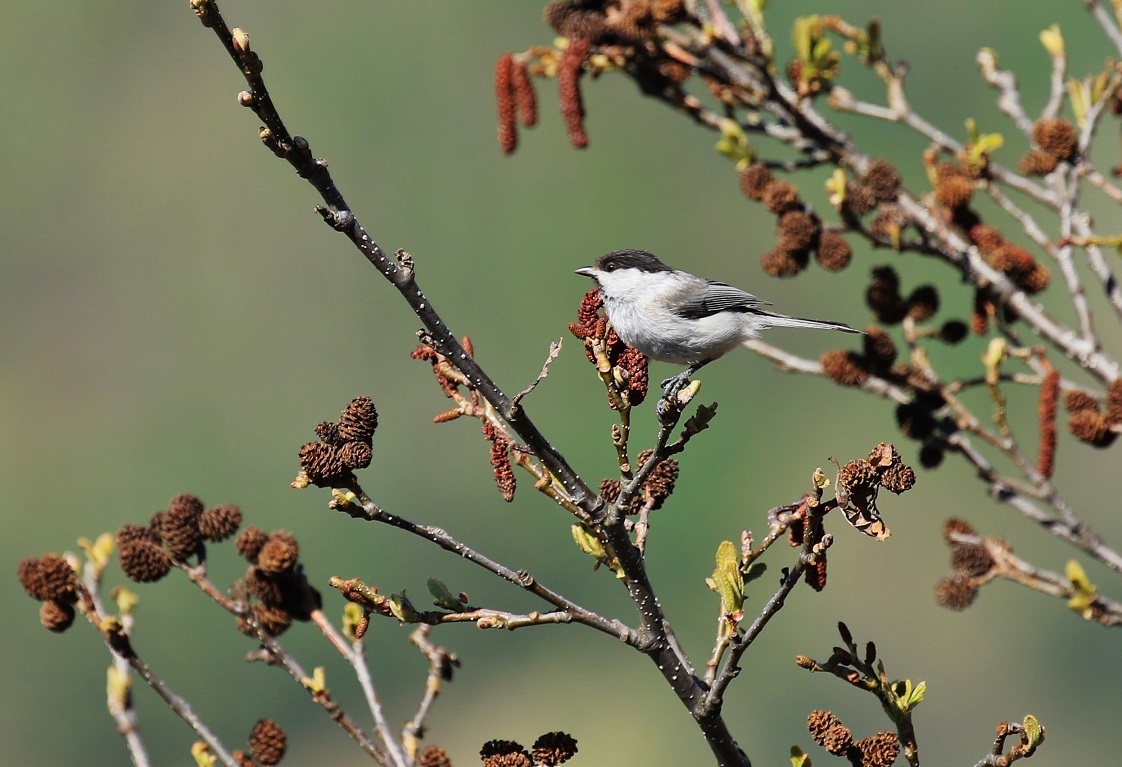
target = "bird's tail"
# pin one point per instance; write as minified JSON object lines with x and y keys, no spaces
{"x":771,"y":320}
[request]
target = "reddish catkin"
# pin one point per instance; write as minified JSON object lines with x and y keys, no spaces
{"x":979,"y":317}
{"x":504,"y":96}
{"x":588,"y":312}
{"x":796,"y":532}
{"x":447,"y":415}
{"x":1049,"y":400}
{"x":524,"y":95}
{"x":503,"y":471}
{"x":816,"y":574}
{"x":568,"y":83}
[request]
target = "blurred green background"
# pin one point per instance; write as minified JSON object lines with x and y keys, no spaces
{"x":176,"y":318}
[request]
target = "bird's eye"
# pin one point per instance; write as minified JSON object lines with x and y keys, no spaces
{"x":610,"y":266}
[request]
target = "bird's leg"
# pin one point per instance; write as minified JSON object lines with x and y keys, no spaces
{"x":671,"y":386}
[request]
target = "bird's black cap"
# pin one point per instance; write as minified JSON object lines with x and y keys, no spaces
{"x":631,"y":259}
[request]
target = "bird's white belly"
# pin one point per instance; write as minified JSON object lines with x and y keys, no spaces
{"x":665,"y":336}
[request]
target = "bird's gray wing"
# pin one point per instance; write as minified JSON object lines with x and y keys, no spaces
{"x":712,"y":297}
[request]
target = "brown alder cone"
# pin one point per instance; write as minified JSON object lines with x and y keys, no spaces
{"x":358,"y":420}
{"x":47,"y":577}
{"x":882,"y":180}
{"x":1092,"y":427}
{"x":953,"y":187}
{"x":279,"y":554}
{"x":844,"y":367}
{"x":179,"y":526}
{"x":1114,"y":401}
{"x":754,"y":179}
{"x":1057,"y":137}
{"x":504,"y":753}
{"x":956,"y":592}
{"x":955,"y":526}
{"x":796,"y":230}
{"x":322,"y":463}
{"x":829,"y":732}
{"x":1037,"y":162}
{"x":879,"y":348}
{"x":267,"y":742}
{"x":780,"y":196}
{"x":880,"y":750}
{"x":56,"y":616}
{"x":249,"y":543}
{"x":833,"y":253}
{"x":433,"y":756}
{"x":971,"y":559}
{"x":220,"y":523}
{"x":883,"y":296}
{"x":143,"y":561}
{"x":779,"y":262}
{"x":554,"y":748}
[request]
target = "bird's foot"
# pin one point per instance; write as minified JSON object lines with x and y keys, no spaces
{"x":671,"y":386}
{"x":670,"y":405}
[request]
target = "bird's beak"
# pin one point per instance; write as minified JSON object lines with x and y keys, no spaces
{"x":587,"y":271}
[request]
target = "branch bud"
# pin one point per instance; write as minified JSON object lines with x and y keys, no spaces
{"x":240,"y":39}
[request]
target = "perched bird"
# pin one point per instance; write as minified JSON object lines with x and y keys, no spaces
{"x":674,"y":316}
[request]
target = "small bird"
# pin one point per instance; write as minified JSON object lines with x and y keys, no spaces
{"x":674,"y":316}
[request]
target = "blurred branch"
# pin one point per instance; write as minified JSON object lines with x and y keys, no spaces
{"x":440,"y":669}
{"x":355,"y":655}
{"x":979,"y":560}
{"x":115,"y":632}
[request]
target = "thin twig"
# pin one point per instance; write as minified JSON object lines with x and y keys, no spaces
{"x":1099,"y":181}
{"x":182,"y":708}
{"x":970,"y":261}
{"x":335,"y":211}
{"x":1107,"y":279}
{"x":1106,"y":21}
{"x":658,"y":454}
{"x":1010,"y":567}
{"x":272,"y":652}
{"x":740,"y":643}
{"x":1072,"y":529}
{"x":440,"y":664}
{"x":120,"y":646}
{"x":120,"y":706}
{"x":554,"y":350}
{"x":1056,"y":90}
{"x":365,"y":508}
{"x":1006,"y":82}
{"x":487,"y":618}
{"x":119,"y":683}
{"x":362,"y":673}
{"x":356,"y":657}
{"x":1078,"y":533}
{"x":953,"y":248}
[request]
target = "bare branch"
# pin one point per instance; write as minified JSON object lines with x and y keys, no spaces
{"x":365,"y":508}
{"x":554,"y":350}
